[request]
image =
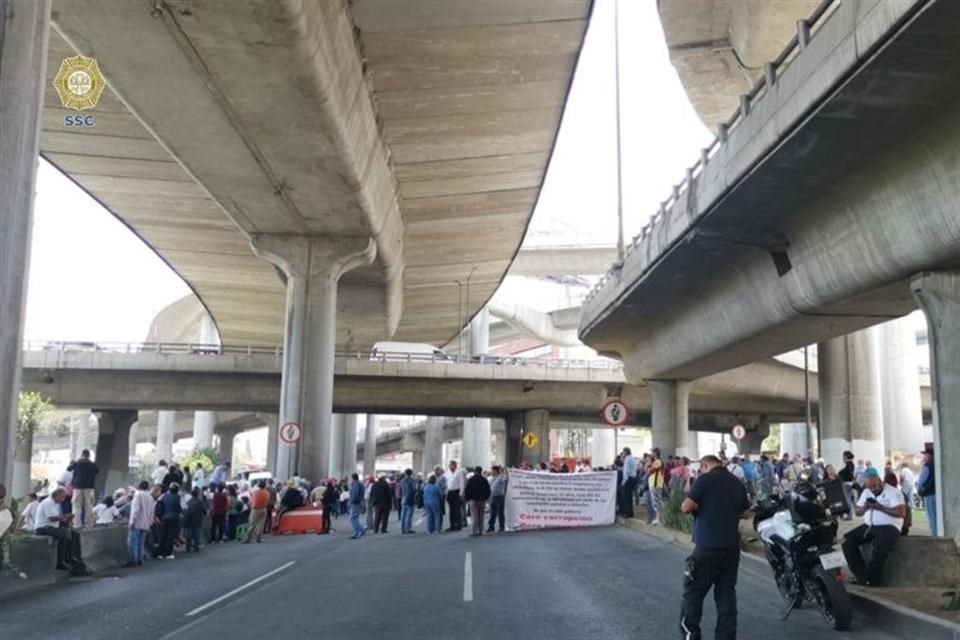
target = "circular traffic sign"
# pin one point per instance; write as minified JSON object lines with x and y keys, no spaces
{"x":290,"y":432}
{"x":739,"y":431}
{"x":615,"y":413}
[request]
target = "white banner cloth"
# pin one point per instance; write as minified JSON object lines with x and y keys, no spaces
{"x":547,"y":500}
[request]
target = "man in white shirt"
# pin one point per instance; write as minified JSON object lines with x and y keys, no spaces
{"x":455,"y":484}
{"x":48,"y":520}
{"x":882,"y":508}
{"x":30,"y":514}
{"x":160,"y":472}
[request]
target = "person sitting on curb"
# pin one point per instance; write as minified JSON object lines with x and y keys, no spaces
{"x":882,"y":508}
{"x":48,"y":521}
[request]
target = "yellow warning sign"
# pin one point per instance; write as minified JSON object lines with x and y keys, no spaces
{"x":531,"y":440}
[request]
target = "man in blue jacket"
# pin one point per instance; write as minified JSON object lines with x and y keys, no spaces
{"x":356,"y":500}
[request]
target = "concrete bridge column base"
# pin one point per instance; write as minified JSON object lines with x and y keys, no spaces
{"x":938,"y":294}
{"x":432,"y":444}
{"x":519,"y":424}
{"x":671,"y":417}
{"x":476,"y":442}
{"x":900,"y":387}
{"x":794,"y":439}
{"x":203,"y":422}
{"x":22,"y":461}
{"x":166,"y":427}
{"x":313,"y":266}
{"x":603,"y":447}
{"x":851,"y":417}
{"x":348,"y":457}
{"x":113,"y":449}
{"x":370,"y":446}
{"x":227,"y":436}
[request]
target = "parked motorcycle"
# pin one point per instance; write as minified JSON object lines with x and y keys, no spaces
{"x":799,"y":532}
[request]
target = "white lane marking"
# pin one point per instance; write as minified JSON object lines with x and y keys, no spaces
{"x":247,"y":585}
{"x":468,"y":577}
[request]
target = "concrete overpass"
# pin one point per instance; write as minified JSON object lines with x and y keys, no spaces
{"x":360,"y":148}
{"x":826,"y":205}
{"x":249,"y":381}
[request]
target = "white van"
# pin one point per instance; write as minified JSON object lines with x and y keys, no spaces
{"x":407,"y":352}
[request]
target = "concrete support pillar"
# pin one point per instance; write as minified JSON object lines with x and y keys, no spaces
{"x":113,"y":449}
{"x":203,"y":423}
{"x":349,"y":455}
{"x":756,"y":434}
{"x":273,"y":442}
{"x":499,"y":447}
{"x":335,"y":461}
{"x":132,"y":439}
{"x":537,"y":422}
{"x":851,"y":417}
{"x":670,"y":416}
{"x":313,"y":266}
{"x":476,"y":442}
{"x":23,"y":68}
{"x":418,"y":462}
{"x":227,"y":437}
{"x":476,"y":431}
{"x":166,"y":427}
{"x":370,"y":446}
{"x":433,"y":444}
{"x":938,"y":294}
{"x":603,"y":447}
{"x":22,"y":481}
{"x":900,"y":386}
{"x":794,"y":438}
{"x":83,"y":435}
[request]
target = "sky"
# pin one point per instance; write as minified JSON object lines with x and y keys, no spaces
{"x":92,"y":279}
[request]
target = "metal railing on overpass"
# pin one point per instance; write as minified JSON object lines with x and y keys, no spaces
{"x":806,"y":30}
{"x":435,"y":357}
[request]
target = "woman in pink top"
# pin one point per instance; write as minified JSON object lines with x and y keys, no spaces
{"x":680,"y":475}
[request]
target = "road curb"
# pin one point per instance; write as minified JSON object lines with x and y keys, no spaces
{"x":912,"y":623}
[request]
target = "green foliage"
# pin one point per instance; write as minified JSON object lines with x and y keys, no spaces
{"x":772,"y":442}
{"x":207,"y":458}
{"x":32,"y":409}
{"x":672,"y":517}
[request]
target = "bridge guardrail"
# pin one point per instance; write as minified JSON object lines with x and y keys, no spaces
{"x":806,"y":30}
{"x":189,"y":348}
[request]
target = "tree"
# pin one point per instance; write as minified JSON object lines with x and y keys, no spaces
{"x":32,"y":410}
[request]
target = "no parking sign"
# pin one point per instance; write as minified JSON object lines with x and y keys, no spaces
{"x":290,"y":432}
{"x":615,"y":413}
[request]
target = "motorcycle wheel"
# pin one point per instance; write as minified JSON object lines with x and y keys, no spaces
{"x":832,"y":599}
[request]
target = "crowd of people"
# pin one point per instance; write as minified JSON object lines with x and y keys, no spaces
{"x":169,"y":513}
{"x":650,"y":479}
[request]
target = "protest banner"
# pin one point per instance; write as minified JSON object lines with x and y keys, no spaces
{"x":548,"y":500}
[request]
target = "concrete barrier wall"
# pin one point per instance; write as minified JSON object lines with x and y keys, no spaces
{"x":104,"y":547}
{"x":919,"y":561}
{"x":32,"y":565}
{"x":33,"y":559}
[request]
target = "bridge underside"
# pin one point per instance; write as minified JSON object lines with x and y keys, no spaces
{"x":424,"y":126}
{"x":857,"y":194}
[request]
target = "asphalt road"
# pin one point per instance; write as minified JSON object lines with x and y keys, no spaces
{"x":601,"y":583}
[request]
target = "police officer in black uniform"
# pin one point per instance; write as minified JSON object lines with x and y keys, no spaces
{"x":717,"y":500}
